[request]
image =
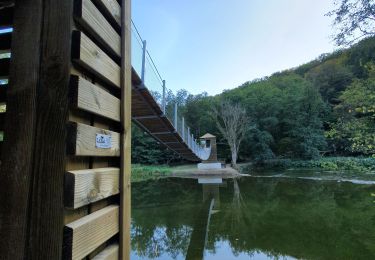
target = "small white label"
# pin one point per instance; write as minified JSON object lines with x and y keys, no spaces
{"x":103,"y":141}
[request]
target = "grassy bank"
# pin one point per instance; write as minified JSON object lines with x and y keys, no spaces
{"x":149,"y":172}
{"x":355,"y":164}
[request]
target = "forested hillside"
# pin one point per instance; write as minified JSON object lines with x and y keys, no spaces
{"x":324,"y":107}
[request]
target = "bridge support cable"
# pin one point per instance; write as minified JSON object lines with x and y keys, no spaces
{"x":152,"y":110}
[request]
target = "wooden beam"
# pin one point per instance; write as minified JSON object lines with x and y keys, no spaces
{"x":91,"y":57}
{"x":126,"y":101}
{"x":82,"y":141}
{"x":109,"y":253}
{"x":110,"y":8}
{"x":37,"y":103}
{"x":91,"y":98}
{"x":15,"y":182}
{"x":83,"y":187}
{"x":83,"y":236}
{"x":94,"y":22}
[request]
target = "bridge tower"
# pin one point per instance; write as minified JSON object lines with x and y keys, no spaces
{"x":209,"y":142}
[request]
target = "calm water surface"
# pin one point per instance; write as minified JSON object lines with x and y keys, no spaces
{"x":253,"y":218}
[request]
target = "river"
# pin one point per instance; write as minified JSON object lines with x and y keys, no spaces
{"x":277,"y":217}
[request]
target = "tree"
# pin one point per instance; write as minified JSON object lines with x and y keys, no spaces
{"x":232,"y":121}
{"x":354,"y":20}
{"x":356,"y":123}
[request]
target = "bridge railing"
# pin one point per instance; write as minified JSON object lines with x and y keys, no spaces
{"x":145,"y":66}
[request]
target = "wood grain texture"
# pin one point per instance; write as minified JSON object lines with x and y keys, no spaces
{"x":111,"y":8}
{"x":94,"y":22}
{"x":18,"y":145}
{"x":111,"y":252}
{"x":82,"y":141}
{"x":90,"y":56}
{"x":83,"y":187}
{"x":49,"y":156}
{"x":37,"y":105}
{"x":126,"y":114}
{"x":93,"y":99}
{"x":83,"y":236}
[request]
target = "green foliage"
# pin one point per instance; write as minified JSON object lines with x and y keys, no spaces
{"x":146,"y":172}
{"x":146,"y":150}
{"x":353,"y":164}
{"x":354,"y":130}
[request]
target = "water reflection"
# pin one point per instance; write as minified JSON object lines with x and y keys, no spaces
{"x":252,"y":218}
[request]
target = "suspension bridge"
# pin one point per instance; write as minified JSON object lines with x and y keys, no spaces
{"x":149,"y":106}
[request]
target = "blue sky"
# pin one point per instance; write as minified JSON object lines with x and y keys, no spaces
{"x":212,"y":45}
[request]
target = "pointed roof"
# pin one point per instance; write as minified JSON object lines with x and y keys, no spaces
{"x":207,"y":136}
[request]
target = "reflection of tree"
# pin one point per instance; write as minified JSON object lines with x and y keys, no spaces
{"x":278,"y":217}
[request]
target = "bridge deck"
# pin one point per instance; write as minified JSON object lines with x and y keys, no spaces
{"x":147,"y":114}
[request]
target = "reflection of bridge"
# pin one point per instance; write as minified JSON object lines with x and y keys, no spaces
{"x":150,"y":107}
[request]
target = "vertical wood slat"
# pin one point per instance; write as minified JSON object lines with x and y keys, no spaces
{"x":126,"y":98}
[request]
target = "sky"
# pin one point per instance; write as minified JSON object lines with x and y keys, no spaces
{"x":214,"y":45}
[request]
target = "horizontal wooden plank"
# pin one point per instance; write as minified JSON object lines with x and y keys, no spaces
{"x":90,"y":56}
{"x":94,"y":99}
{"x":5,"y":41}
{"x":4,"y":67}
{"x":97,"y":26}
{"x":110,"y":8}
{"x":83,"y":187}
{"x":82,"y":141}
{"x":109,"y":253}
{"x":83,"y":236}
{"x":6,"y":16}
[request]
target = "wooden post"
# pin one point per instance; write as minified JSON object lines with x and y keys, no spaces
{"x":126,"y":97}
{"x":33,"y":157}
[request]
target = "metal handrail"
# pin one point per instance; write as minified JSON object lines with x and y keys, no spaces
{"x":178,"y":122}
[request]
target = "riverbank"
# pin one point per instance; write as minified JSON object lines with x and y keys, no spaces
{"x":150,"y":172}
{"x":346,"y":166}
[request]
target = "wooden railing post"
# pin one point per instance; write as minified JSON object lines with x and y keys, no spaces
{"x":126,"y":97}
